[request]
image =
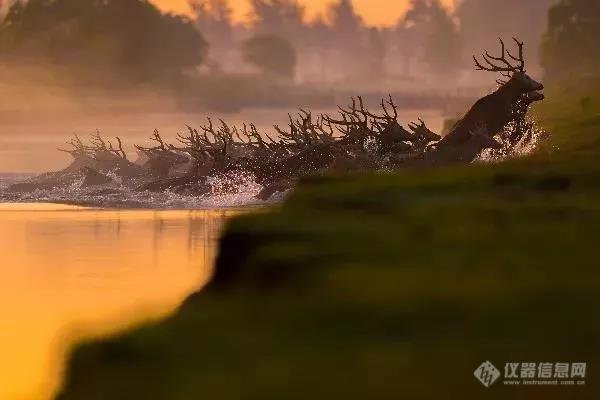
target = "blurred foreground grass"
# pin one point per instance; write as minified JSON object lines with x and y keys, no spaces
{"x":389,"y":286}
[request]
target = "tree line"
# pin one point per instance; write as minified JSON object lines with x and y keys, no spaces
{"x":134,"y":40}
{"x":428,"y":39}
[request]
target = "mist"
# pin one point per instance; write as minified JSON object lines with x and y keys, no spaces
{"x":127,"y":68}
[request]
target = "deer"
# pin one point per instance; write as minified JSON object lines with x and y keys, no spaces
{"x":162,"y":159}
{"x":101,"y":155}
{"x":356,"y":139}
{"x":494,"y":111}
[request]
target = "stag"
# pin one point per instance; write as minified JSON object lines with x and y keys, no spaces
{"x":101,"y":155}
{"x":162,"y":159}
{"x":495,"y":111}
{"x":97,"y":149}
{"x":423,"y":135}
{"x":355,"y":139}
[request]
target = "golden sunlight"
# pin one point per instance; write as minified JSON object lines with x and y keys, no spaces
{"x":375,"y":12}
{"x":70,"y":273}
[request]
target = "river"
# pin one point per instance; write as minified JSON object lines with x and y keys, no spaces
{"x":69,"y":274}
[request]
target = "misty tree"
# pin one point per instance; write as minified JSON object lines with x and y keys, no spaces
{"x":406,"y":40}
{"x":284,"y":18}
{"x":432,"y":28}
{"x":483,"y":21}
{"x":318,"y":33}
{"x":570,"y":45}
{"x":214,"y":19}
{"x":273,"y":55}
{"x":129,"y":39}
{"x":442,"y":45}
{"x":376,"y":50}
{"x":346,"y":25}
{"x":348,"y":37}
{"x":315,"y":48}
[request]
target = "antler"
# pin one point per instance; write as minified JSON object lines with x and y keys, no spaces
{"x":507,"y":66}
{"x":97,"y":146}
{"x":78,"y":148}
{"x":161,"y":146}
{"x":423,"y":132}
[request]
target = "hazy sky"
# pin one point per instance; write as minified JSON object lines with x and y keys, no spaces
{"x":375,"y":12}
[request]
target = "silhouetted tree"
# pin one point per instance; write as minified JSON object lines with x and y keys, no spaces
{"x":408,"y":42}
{"x":376,"y":49}
{"x":271,"y":54}
{"x":347,"y":26}
{"x":348,"y":38}
{"x":571,"y":43}
{"x":284,"y":18}
{"x":432,"y":27}
{"x":127,"y":38}
{"x":318,"y":33}
{"x":442,"y":45}
{"x":214,"y":19}
{"x":316,"y":46}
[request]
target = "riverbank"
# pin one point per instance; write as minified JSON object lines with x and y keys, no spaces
{"x":388,"y":286}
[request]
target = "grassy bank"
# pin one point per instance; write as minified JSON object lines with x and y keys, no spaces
{"x":389,"y":286}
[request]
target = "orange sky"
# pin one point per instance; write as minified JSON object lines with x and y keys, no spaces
{"x":375,"y":12}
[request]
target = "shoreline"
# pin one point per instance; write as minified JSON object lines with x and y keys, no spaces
{"x":96,"y":206}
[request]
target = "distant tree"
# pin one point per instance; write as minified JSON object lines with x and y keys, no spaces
{"x":376,"y":49}
{"x":407,"y":45}
{"x":483,"y":21}
{"x":284,"y":18}
{"x":271,"y":54}
{"x":431,"y":25}
{"x":443,"y":46}
{"x":348,"y":38}
{"x":346,"y":25}
{"x":318,"y":33}
{"x":214,"y":19}
{"x":316,"y":47}
{"x":570,"y":45}
{"x":127,"y":38}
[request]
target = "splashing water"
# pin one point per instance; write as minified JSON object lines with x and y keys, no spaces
{"x":233,"y":190}
{"x":227,"y":192}
{"x":517,"y":140}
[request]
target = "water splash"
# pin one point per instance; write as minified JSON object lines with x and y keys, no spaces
{"x":519,"y":139}
{"x":227,"y":192}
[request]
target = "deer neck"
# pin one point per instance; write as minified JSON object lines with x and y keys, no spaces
{"x":510,"y":90}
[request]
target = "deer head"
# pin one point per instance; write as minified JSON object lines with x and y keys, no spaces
{"x":510,"y":66}
{"x":532,"y":97}
{"x":421,"y":131}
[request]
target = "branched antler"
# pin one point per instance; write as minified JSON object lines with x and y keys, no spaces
{"x":97,"y":147}
{"x":160,"y":147}
{"x":422,"y":133}
{"x":505,"y":67}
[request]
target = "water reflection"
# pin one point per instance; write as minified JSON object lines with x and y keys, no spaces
{"x":68,"y":273}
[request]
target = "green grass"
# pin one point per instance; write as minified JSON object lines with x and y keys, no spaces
{"x":389,"y":286}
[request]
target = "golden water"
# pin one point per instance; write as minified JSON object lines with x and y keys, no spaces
{"x":69,"y":274}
